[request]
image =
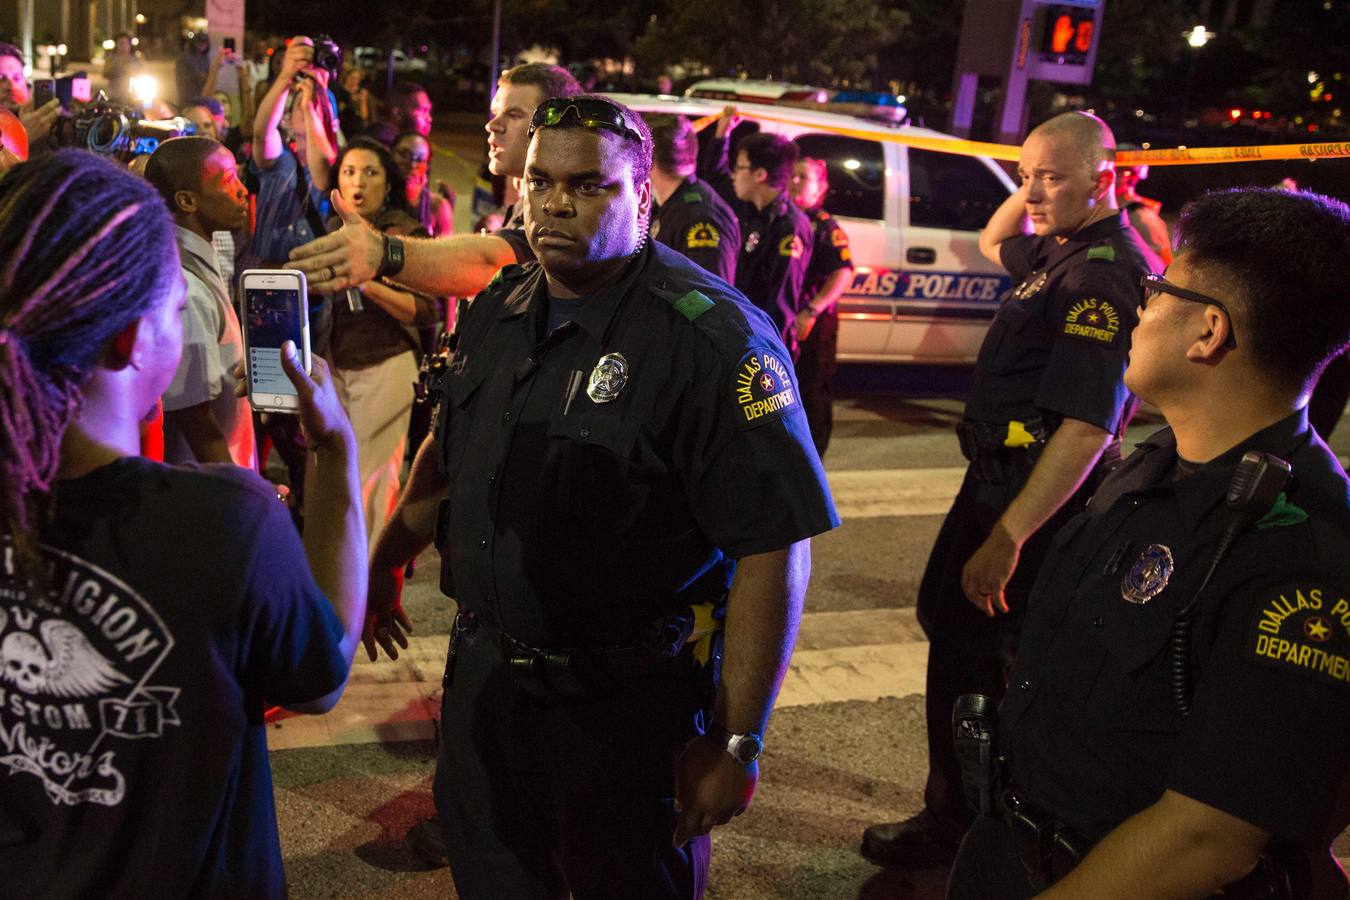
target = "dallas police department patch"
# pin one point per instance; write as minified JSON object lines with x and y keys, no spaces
{"x":791,"y":246}
{"x":1093,"y":320}
{"x":607,"y":378}
{"x":839,"y":239}
{"x":75,"y":690}
{"x":763,"y":388}
{"x":702,"y":234}
{"x":1148,"y":576}
{"x":1304,"y":628}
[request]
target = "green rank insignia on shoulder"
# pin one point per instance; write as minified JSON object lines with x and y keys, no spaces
{"x":692,"y":197}
{"x":1283,"y":513}
{"x":1303,"y":627}
{"x":509,"y":272}
{"x":1102,"y":253}
{"x":1094,"y":320}
{"x":762,"y":388}
{"x":692,"y":305}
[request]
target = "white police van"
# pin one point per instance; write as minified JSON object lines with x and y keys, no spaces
{"x":921,"y":292}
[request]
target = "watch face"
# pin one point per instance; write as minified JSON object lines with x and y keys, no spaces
{"x":748,"y":748}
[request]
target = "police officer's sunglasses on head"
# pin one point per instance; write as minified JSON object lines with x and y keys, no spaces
{"x":1154,"y":285}
{"x":588,"y":113}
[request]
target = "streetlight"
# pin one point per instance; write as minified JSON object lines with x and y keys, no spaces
{"x":1196,"y":38}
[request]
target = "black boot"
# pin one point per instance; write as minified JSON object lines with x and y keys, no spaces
{"x":919,"y":842}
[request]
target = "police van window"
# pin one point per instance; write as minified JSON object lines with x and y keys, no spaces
{"x":857,"y":174}
{"x":949,"y":191}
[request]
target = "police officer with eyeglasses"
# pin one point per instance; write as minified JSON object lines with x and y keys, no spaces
{"x":623,"y":489}
{"x":1178,"y":717}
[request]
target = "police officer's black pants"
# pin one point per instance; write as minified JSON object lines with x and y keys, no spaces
{"x":987,"y":865}
{"x":969,"y":652}
{"x":816,"y":368}
{"x":539,"y":798}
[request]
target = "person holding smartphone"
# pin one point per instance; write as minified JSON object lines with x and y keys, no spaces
{"x":188,"y":600}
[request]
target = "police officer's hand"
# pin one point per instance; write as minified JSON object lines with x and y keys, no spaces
{"x":806,"y":321}
{"x":987,"y":572}
{"x":729,"y":119}
{"x":710,"y":788}
{"x":346,"y":258}
{"x":387,"y":624}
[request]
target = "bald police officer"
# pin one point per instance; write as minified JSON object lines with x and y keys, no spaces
{"x":1180,"y":708}
{"x":1046,"y":407}
{"x":689,"y":217}
{"x":621,"y":463}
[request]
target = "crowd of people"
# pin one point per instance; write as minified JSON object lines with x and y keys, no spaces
{"x":623,"y":478}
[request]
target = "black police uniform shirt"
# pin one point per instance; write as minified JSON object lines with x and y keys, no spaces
{"x":1088,"y":723}
{"x":696,"y":222}
{"x":513,"y":232}
{"x":611,"y":471}
{"x":133,"y":756}
{"x":775,"y":246}
{"x":830,"y":252}
{"x":1061,"y":338}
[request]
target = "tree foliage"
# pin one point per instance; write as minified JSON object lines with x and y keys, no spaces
{"x":812,"y":41}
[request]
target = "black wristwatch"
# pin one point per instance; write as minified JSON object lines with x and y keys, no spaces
{"x":392,"y":262}
{"x":744,"y":748}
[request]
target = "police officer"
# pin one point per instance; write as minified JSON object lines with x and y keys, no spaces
{"x":1046,"y":407}
{"x":776,"y":235}
{"x":1181,"y":699}
{"x":689,"y":216}
{"x":827,"y":276}
{"x":620,"y":464}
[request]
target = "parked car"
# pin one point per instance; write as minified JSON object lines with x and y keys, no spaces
{"x":921,"y":292}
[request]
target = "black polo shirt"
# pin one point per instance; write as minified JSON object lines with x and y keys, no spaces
{"x":1088,"y":723}
{"x":1061,"y":339}
{"x":698,"y":223}
{"x":577,"y":516}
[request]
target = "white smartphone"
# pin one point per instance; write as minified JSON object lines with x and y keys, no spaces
{"x":275,"y":311}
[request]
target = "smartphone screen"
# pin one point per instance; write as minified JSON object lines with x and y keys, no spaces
{"x":229,"y":43}
{"x":44,"y":91}
{"x":272,"y":316}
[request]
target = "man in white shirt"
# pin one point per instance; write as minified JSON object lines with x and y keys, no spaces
{"x":203,"y":419}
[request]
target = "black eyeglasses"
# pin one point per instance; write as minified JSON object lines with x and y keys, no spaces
{"x":1156,"y":284}
{"x":588,"y":113}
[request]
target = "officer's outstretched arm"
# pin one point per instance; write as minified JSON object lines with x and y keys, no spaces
{"x":1178,"y":847}
{"x":764,"y":609}
{"x":409,"y":530}
{"x":1007,"y":221}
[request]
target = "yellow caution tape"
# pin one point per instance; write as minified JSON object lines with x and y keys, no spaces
{"x":1178,"y":156}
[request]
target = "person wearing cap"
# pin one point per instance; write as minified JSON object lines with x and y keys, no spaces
{"x":1145,"y":214}
{"x":623,"y":489}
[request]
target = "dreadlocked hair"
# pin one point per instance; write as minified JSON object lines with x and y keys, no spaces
{"x":86,"y":249}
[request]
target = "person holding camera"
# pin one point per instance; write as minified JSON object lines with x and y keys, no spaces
{"x":150,"y":610}
{"x":38,"y":122}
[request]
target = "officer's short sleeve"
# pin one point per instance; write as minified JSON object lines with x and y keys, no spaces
{"x":755,"y":483}
{"x":831,"y":251}
{"x":1018,"y":255}
{"x":519,"y":245}
{"x":1090,"y":323}
{"x":704,"y":241}
{"x":1270,"y":721}
{"x":293,"y":652}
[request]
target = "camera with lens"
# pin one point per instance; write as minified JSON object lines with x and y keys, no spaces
{"x":116,"y":129}
{"x":328,"y":56}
